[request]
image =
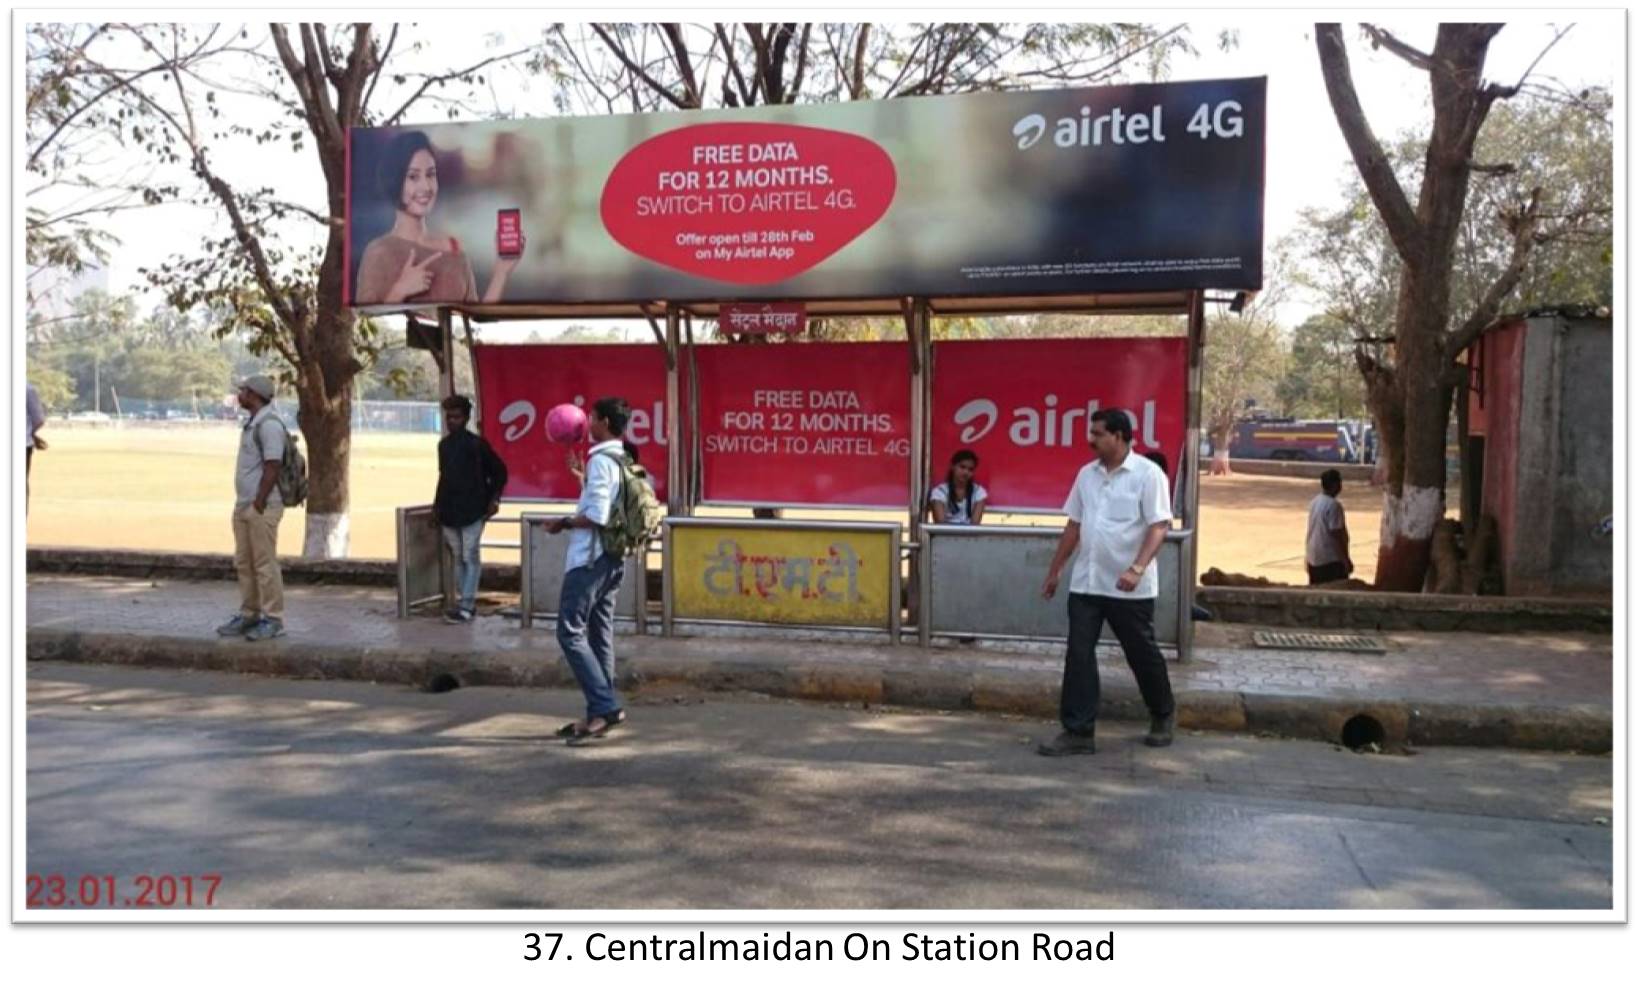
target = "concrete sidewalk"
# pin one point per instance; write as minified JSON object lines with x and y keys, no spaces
{"x":1545,"y":691}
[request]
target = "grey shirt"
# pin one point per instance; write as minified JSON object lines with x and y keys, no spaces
{"x":261,"y":440}
{"x":33,"y":417}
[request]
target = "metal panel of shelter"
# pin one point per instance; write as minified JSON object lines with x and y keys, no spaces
{"x":542,"y":554}
{"x":1121,"y":188}
{"x":420,"y":557}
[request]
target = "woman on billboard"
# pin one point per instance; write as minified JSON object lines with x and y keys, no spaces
{"x":414,"y":263}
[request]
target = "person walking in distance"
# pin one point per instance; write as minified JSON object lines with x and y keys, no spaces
{"x":1327,"y":553}
{"x":33,"y":419}
{"x":257,"y":509}
{"x":592,"y":575}
{"x":471,"y":476}
{"x":1119,"y":512}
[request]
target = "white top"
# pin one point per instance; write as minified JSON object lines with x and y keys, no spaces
{"x":1324,"y":515}
{"x":1115,"y":510}
{"x":262,"y":440}
{"x":956,"y":515}
{"x":596,"y":501}
{"x":33,"y":417}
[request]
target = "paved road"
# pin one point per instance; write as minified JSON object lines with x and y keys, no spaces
{"x":341,"y":795}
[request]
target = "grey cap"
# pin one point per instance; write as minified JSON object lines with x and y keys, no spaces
{"x":261,"y":384}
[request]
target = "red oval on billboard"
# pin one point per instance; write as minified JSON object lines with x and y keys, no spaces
{"x":746,"y":203}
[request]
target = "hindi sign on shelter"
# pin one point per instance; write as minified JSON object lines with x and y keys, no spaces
{"x":762,"y":319}
{"x":840,"y":576}
{"x":1153,"y":186}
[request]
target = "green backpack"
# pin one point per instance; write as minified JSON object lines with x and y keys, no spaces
{"x":292,"y":470}
{"x":635,"y":514}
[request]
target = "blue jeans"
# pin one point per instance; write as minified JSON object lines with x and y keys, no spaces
{"x":463,"y":543}
{"x":585,"y":630}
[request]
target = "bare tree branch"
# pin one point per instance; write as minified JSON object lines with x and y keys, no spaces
{"x":685,"y":66}
{"x":1374,"y":166}
{"x":636,"y":70}
{"x":1415,"y":56}
{"x":432,"y":80}
{"x":1523,"y":228}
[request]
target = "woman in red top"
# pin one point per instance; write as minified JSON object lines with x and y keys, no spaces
{"x":412,"y":262}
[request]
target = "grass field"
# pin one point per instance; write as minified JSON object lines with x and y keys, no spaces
{"x":171,"y":488}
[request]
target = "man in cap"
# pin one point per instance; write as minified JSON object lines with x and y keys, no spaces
{"x":256,"y":513}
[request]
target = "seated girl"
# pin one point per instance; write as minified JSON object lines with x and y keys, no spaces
{"x":959,"y":501}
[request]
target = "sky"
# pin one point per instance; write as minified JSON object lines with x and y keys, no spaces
{"x":1307,"y":160}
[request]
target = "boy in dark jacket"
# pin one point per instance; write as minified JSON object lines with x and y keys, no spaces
{"x":471,"y":477}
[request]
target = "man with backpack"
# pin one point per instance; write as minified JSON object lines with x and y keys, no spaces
{"x":258,"y":507}
{"x":616,"y":516}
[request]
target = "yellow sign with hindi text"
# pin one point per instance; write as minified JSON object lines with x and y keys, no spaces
{"x":796,"y":577}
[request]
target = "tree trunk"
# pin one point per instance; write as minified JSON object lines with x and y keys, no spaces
{"x":326,"y":422}
{"x":1412,"y":437}
{"x":325,"y":387}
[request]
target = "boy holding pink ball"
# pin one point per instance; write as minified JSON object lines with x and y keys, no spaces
{"x":592,"y":576}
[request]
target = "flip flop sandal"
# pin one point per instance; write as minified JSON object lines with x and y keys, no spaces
{"x":613,"y":719}
{"x":584,"y":737}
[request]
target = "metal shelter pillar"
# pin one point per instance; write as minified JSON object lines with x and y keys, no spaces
{"x":1189,"y":560}
{"x":676,"y":467}
{"x":918,"y":330}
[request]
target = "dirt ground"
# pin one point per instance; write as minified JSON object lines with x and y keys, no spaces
{"x":171,"y":488}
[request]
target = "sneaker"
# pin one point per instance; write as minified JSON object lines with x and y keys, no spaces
{"x":1160,"y":730}
{"x":457,"y":616}
{"x":1065,"y":744}
{"x":267,"y":629}
{"x":237,"y":626}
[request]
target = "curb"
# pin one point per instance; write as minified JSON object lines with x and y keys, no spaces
{"x":1584,"y":729}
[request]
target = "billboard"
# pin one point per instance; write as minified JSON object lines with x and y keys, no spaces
{"x":1024,"y":406}
{"x":518,"y":385}
{"x":1123,"y":188}
{"x":805,"y":424}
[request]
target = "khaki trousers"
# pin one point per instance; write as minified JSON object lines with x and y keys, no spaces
{"x":256,"y":559}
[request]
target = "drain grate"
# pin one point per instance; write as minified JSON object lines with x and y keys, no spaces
{"x":1345,"y":642}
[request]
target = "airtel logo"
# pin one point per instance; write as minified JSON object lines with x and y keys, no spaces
{"x":1046,"y":426}
{"x":1028,"y":130}
{"x":517,"y":418}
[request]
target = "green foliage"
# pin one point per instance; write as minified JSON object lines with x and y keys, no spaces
{"x":1565,"y":149}
{"x":54,"y":386}
{"x":1243,"y":359}
{"x":164,"y":356}
{"x":1321,"y":378}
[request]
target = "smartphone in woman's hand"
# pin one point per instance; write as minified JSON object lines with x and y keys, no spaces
{"x":509,"y":233}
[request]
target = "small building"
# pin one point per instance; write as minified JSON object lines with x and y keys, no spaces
{"x":1540,"y":449}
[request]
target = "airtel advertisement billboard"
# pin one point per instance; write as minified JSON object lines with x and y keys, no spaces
{"x":1024,"y":408}
{"x":1155,"y":186}
{"x":805,"y":424}
{"x":518,"y":385}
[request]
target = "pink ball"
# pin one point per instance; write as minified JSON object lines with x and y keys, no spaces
{"x":566,"y":424}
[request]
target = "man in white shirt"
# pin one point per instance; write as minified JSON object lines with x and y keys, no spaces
{"x":591,"y":579}
{"x":1119,"y":512}
{"x":1327,"y":548}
